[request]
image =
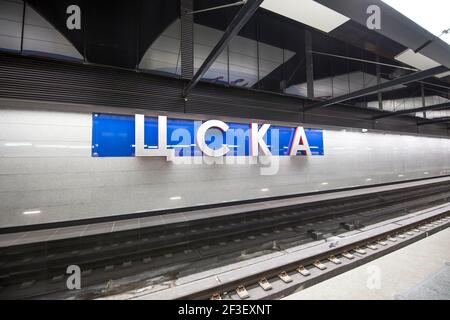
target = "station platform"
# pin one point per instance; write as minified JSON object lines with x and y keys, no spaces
{"x":420,"y":271}
{"x":23,"y":235}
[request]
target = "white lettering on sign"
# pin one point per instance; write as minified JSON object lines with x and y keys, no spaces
{"x":257,"y":140}
{"x":258,"y":147}
{"x":201,"y":142}
{"x":300,"y":142}
{"x":161,"y":150}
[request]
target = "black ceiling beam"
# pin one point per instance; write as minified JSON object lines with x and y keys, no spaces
{"x":409,"y":91}
{"x":238,"y":22}
{"x":434,"y":121}
{"x":415,"y":76}
{"x":439,"y":106}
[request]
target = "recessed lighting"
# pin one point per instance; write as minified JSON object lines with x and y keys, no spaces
{"x":264,"y":189}
{"x":364,"y":130}
{"x":426,"y":173}
{"x":324,"y":183}
{"x":32,"y":212}
{"x":369,"y":179}
{"x":175,"y":198}
{"x":400,"y":175}
{"x":18,"y":144}
{"x":308,"y":12}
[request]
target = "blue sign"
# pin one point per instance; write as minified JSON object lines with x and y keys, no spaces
{"x":114,"y":136}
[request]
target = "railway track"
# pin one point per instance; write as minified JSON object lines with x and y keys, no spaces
{"x":155,"y":255}
{"x":277,"y":276}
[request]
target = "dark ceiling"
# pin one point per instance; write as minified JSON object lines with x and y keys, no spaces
{"x":118,"y":33}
